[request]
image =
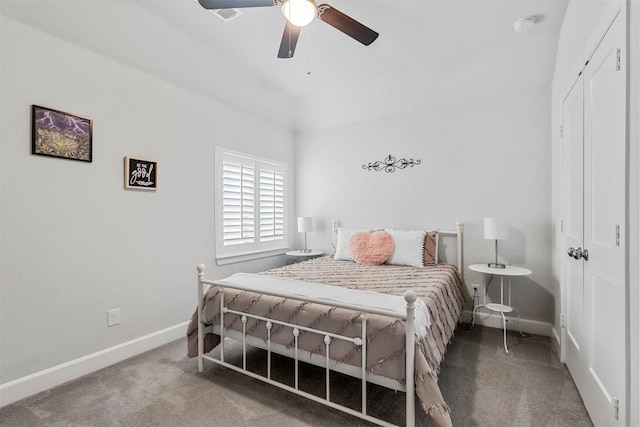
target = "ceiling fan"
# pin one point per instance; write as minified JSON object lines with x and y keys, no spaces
{"x":300,"y":13}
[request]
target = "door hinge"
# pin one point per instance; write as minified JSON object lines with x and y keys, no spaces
{"x":617,"y":59}
{"x":562,"y":225}
{"x":617,"y":235}
{"x":561,"y":131}
{"x":616,"y":408}
{"x":563,"y":321}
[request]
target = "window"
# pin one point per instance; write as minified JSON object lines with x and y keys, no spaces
{"x":251,"y":208}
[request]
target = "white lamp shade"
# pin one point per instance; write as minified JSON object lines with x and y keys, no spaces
{"x":496,"y":228}
{"x":305,"y":223}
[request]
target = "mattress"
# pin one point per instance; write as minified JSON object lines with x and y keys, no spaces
{"x":438,"y":285}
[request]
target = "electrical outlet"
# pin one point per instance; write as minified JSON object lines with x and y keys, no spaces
{"x":113,"y":317}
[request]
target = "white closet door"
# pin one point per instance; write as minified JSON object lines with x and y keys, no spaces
{"x":575,"y":331}
{"x":594,"y":278}
{"x":604,"y":220}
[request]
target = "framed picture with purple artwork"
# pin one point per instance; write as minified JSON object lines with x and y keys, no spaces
{"x":58,"y":134}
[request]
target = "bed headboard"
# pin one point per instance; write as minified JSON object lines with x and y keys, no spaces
{"x":458,"y":254}
{"x":451,"y":253}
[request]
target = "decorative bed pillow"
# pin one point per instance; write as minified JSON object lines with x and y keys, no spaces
{"x":409,"y":247}
{"x":342,"y":243}
{"x":371,"y":248}
{"x":431,"y":247}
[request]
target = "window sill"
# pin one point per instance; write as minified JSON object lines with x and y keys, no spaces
{"x":233,"y":259}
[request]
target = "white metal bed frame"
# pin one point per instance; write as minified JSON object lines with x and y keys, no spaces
{"x":296,"y":353}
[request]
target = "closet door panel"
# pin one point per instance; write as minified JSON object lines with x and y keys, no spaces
{"x":604,"y":211}
{"x":573,"y":224}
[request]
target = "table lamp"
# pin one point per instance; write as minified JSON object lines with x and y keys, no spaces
{"x":305,"y":224}
{"x":496,"y":229}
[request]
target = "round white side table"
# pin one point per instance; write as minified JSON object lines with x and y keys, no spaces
{"x":304,"y":255}
{"x":503,"y":307}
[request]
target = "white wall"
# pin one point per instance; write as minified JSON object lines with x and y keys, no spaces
{"x":582,"y":24}
{"x":74,"y":243}
{"x":482,"y":157}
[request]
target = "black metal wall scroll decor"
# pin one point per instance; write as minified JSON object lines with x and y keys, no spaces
{"x":390,"y":164}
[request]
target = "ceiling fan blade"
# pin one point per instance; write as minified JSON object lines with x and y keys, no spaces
{"x":289,"y":41}
{"x":234,"y":4}
{"x":346,"y":24}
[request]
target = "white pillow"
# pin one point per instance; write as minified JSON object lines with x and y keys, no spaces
{"x":343,"y":253}
{"x":409,"y":249}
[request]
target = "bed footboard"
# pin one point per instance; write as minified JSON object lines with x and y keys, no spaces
{"x":328,"y":339}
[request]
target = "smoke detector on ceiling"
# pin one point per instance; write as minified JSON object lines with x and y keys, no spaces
{"x":524,"y":24}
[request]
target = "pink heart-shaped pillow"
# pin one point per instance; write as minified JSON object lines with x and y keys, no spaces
{"x":371,"y":249}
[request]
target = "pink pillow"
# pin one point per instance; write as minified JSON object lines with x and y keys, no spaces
{"x":371,"y":249}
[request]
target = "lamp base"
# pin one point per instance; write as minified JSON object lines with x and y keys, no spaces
{"x":305,"y":251}
{"x":496,"y":265}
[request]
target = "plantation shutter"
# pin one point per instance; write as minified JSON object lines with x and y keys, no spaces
{"x":271,"y":202}
{"x":238,"y":200}
{"x":250,"y":206}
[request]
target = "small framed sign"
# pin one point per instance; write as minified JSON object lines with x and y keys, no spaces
{"x":141,"y":174}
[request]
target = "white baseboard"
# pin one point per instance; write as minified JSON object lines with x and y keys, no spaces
{"x":494,"y":320}
{"x":40,"y":381}
{"x":555,"y":342}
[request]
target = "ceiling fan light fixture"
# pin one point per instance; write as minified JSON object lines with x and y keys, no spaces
{"x":299,"y":12}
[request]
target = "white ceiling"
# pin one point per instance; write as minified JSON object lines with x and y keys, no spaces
{"x":414,"y":34}
{"x":418,"y":38}
{"x":428,"y":48}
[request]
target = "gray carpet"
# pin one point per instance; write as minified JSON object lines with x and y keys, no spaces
{"x":482,"y":384}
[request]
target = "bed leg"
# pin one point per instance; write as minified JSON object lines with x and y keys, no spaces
{"x":363,"y":363}
{"x":410,"y":297}
{"x":459,"y":229}
{"x":200,"y":269}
